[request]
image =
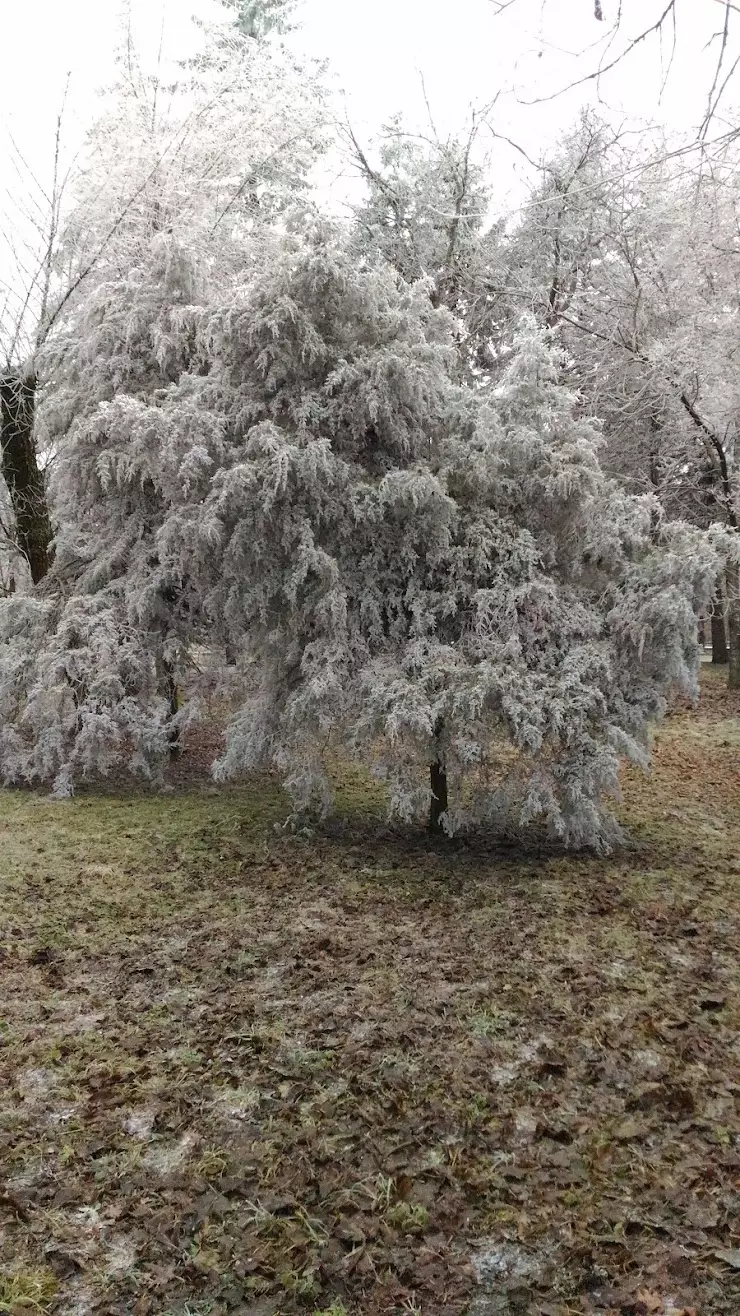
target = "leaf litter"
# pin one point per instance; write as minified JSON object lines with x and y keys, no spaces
{"x":242,"y":1071}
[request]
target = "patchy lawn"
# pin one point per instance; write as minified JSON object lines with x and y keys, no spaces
{"x":247,"y":1072}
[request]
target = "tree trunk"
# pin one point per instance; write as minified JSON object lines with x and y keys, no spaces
{"x":438,"y":804}
{"x":733,"y":617}
{"x":654,"y":472}
{"x":719,"y":636}
{"x":20,"y":469}
{"x":167,"y":681}
{"x":438,"y":782}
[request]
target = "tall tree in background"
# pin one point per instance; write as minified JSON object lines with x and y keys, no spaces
{"x":624,"y":259}
{"x":174,"y":198}
{"x":426,"y":212}
{"x":260,"y":18}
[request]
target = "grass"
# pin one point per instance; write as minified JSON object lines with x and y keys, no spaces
{"x":243,"y":1071}
{"x":27,"y":1292}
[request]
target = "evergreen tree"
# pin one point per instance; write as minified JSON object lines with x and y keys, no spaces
{"x":426,"y":212}
{"x":258,"y":19}
{"x":264,"y":442}
{"x":177,"y":204}
{"x":442,"y":583}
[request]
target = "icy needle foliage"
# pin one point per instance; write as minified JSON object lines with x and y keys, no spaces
{"x":262,"y":443}
{"x":423,"y":575}
{"x":78,"y":691}
{"x":175,"y":201}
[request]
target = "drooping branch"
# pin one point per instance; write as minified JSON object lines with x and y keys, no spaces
{"x":717,"y":448}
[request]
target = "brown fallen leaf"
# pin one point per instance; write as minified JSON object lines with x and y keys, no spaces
{"x":62,"y":1262}
{"x":730,"y":1255}
{"x":650,"y":1301}
{"x":630,"y":1130}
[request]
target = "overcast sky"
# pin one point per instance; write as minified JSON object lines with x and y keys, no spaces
{"x":378,"y":51}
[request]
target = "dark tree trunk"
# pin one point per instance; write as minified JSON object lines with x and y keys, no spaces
{"x":170,"y":690}
{"x":733,"y":617}
{"x":719,"y":635}
{"x":438,"y":803}
{"x":438,"y":782}
{"x":20,"y":469}
{"x":166,"y":671}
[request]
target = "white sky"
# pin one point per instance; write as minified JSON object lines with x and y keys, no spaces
{"x":378,"y":50}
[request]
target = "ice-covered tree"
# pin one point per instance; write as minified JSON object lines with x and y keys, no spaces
{"x":632,"y":256}
{"x":442,"y":583}
{"x":263,"y":440}
{"x":426,"y":212}
{"x":176,"y":196}
{"x":260,"y":18}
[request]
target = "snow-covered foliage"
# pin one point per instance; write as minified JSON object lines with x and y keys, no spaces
{"x":13,"y":566}
{"x":178,"y":193}
{"x":342,"y":456}
{"x":78,"y":691}
{"x":634,"y":257}
{"x":427,"y":213}
{"x":420,"y":575}
{"x":177,"y":188}
{"x":425,"y":208}
{"x":260,"y":18}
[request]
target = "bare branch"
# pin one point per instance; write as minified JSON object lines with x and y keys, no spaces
{"x":54,"y":212}
{"x":712,"y":103}
{"x":371,"y":173}
{"x":606,"y":68}
{"x":668,"y":15}
{"x":713,"y":444}
{"x":501,"y":137}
